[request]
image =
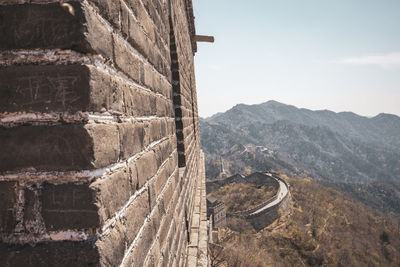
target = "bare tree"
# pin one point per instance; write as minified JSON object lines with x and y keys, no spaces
{"x":216,"y":255}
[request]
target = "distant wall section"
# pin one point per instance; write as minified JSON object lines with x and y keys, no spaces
{"x":260,"y":220}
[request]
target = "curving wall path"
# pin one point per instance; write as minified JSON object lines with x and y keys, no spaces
{"x":269,"y":212}
{"x":283,"y":191}
{"x":265,"y":213}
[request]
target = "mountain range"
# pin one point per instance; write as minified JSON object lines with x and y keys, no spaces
{"x":335,"y":148}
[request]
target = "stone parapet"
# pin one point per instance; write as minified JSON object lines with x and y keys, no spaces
{"x":100,"y":158}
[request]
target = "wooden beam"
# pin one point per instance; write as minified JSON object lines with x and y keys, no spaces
{"x":204,"y":38}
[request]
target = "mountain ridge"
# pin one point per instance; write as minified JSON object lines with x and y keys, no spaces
{"x":348,"y":124}
{"x":337,"y":147}
{"x":269,"y":102}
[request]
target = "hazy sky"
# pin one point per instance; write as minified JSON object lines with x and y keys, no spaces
{"x":341,"y":55}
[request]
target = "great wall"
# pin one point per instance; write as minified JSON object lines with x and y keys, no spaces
{"x":266,"y":212}
{"x":100,"y":160}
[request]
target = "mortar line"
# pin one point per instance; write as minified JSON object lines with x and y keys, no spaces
{"x":53,"y":236}
{"x":57,"y":118}
{"x":90,"y":175}
{"x":86,"y":59}
{"x":140,"y":232}
{"x":141,"y":26}
{"x":106,"y":68}
{"x":129,"y":46}
{"x":170,"y":209}
{"x":118,"y":214}
{"x":75,"y":235}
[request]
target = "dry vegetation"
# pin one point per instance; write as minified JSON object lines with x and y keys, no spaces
{"x":240,"y":196}
{"x":323,"y":228}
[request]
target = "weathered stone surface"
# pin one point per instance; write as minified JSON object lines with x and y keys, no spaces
{"x":125,"y":18}
{"x":126,"y":60}
{"x":61,"y":147}
{"x":96,"y":31}
{"x":154,"y":255}
{"x":140,"y":251}
{"x":131,"y":136}
{"x":52,"y":26}
{"x":112,"y":245}
{"x":165,"y":226}
{"x":143,"y":103}
{"x":32,"y":26}
{"x":146,"y":167}
{"x":57,"y":27}
{"x":31,"y":211}
{"x":133,"y":175}
{"x":68,"y":206}
{"x":106,"y":148}
{"x":8,"y":196}
{"x":113,"y":61}
{"x":135,"y":216}
{"x":110,"y":10}
{"x":152,"y":194}
{"x":61,"y":88}
{"x":141,"y":38}
{"x":155,"y":130}
{"x":106,"y":92}
{"x":50,"y":254}
{"x":113,"y":191}
{"x":124,"y":231}
{"x":156,"y":218}
{"x":164,"y":108}
{"x":45,"y":147}
{"x":44,"y":88}
{"x":163,"y":176}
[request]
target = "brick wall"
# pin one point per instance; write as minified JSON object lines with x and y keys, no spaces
{"x":100,"y":159}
